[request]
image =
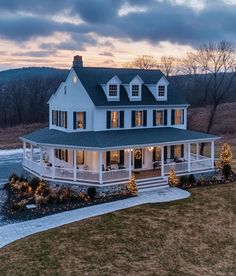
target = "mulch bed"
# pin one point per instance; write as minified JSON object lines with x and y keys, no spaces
{"x":24,"y":214}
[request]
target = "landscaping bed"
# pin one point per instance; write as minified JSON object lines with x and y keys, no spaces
{"x":30,"y":200}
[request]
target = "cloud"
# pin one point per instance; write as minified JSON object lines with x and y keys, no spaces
{"x":107,"y":54}
{"x":152,"y":20}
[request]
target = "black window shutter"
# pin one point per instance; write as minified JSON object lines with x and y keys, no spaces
{"x":66,"y":155}
{"x":182,"y":119}
{"x":74,"y":120}
{"x":133,"y":118}
{"x":165,"y":153}
{"x":182,"y":150}
{"x":53,"y":123}
{"x":84,"y":115}
{"x":154,"y":154}
{"x":108,"y":158}
{"x":66,"y":119}
{"x":108,"y":119}
{"x":172,"y":152}
{"x":122,"y":119}
{"x":122,"y":157}
{"x":144,"y":117}
{"x":172,"y":116}
{"x":59,"y":118}
{"x":154,"y":117}
{"x":165,"y":117}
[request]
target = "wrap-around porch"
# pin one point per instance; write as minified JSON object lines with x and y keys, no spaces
{"x":101,"y":167}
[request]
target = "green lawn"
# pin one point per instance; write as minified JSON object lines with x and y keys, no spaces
{"x":195,"y":236}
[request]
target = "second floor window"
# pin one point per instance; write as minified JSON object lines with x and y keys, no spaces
{"x":59,"y":118}
{"x":177,"y":116}
{"x":115,"y":119}
{"x":79,"y":120}
{"x":161,"y":91}
{"x":113,"y":90}
{"x":135,"y":90}
{"x":159,"y":117}
{"x":139,"y":118}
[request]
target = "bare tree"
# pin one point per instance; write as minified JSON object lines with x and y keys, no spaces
{"x":212,"y":67}
{"x":142,"y":62}
{"x":168,"y":65}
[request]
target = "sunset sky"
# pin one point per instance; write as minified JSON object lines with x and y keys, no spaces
{"x":108,"y":32}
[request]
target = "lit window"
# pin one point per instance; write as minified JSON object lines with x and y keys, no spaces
{"x":135,"y":90}
{"x":80,"y":157}
{"x":75,"y":79}
{"x":55,"y":117}
{"x":64,"y":119}
{"x":161,"y":91}
{"x":114,"y":119}
{"x":178,"y":151}
{"x":138,"y":118}
{"x":179,"y":117}
{"x":115,"y":156}
{"x":113,"y":90}
{"x":61,"y":154}
{"x":159,"y":117}
{"x":80,"y":119}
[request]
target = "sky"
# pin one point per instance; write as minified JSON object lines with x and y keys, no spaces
{"x":108,"y":32}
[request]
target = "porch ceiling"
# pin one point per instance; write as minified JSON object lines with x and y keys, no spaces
{"x":116,"y":138}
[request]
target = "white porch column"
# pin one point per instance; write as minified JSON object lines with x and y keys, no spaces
{"x":100,"y":166}
{"x":162,"y":162}
{"x":53,"y":163}
{"x":31,"y":152}
{"x":41,"y":156}
{"x":212,"y":154}
{"x":189,"y":157}
{"x":74,"y":162}
{"x":197,"y":151}
{"x":129,"y":163}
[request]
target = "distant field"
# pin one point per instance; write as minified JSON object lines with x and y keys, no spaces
{"x":9,"y":137}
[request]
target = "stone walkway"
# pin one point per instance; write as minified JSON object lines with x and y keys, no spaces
{"x":12,"y":232}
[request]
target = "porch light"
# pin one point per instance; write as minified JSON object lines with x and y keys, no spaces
{"x":150,"y":148}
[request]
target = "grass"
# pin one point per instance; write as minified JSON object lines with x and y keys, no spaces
{"x":195,"y":236}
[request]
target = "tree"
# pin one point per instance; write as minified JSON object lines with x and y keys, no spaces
{"x":168,"y":65}
{"x":226,"y":155}
{"x":212,"y":67}
{"x":173,"y":179}
{"x":142,"y":62}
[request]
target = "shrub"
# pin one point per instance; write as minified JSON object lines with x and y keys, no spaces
{"x":191,"y":179}
{"x":226,"y":171}
{"x":92,"y":192}
{"x":183,"y":180}
{"x":13,"y":177}
{"x":34,"y":183}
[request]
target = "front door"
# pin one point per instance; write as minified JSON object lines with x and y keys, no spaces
{"x":138,"y":157}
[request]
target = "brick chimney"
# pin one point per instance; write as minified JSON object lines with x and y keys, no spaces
{"x":78,"y":61}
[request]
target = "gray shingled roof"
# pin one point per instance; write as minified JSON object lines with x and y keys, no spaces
{"x":115,"y":138}
{"x":92,"y":78}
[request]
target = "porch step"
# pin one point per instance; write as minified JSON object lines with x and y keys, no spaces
{"x":151,"y":184}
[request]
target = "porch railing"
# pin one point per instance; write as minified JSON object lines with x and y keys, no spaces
{"x":178,"y":167}
{"x":115,"y":174}
{"x":201,"y":164}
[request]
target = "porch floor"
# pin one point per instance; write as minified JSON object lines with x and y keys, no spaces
{"x":147,"y":174}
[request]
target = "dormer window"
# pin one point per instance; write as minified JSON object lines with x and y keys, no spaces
{"x":161,"y":91}
{"x":135,"y":90}
{"x":113,"y":90}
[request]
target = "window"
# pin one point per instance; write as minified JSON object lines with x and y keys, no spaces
{"x":178,"y":151}
{"x":115,"y":157}
{"x":80,"y":157}
{"x":114,"y":119}
{"x":159,"y":118}
{"x":55,"y":117}
{"x":79,"y":120}
{"x":59,"y":118}
{"x":135,"y":90}
{"x":161,"y":91}
{"x":177,"y":117}
{"x":64,"y":119}
{"x":61,"y":154}
{"x":139,"y":118}
{"x":113,"y":90}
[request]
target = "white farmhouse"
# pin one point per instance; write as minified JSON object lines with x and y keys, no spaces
{"x":107,"y":123}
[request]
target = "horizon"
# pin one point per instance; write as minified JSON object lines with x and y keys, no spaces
{"x":49,"y":34}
